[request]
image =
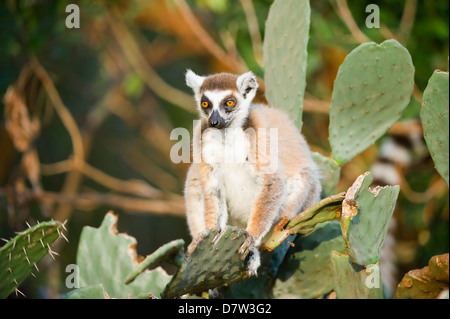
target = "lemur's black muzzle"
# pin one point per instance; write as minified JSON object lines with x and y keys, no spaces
{"x":216,"y":121}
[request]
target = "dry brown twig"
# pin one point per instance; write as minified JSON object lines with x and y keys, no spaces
{"x":253,"y":29}
{"x":137,"y":61}
{"x":346,"y":16}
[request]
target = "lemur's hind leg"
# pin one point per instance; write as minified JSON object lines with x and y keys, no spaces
{"x":195,"y":203}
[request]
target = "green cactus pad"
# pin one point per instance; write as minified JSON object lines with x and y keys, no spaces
{"x":435,"y":121}
{"x":372,"y":88}
{"x":285,"y":55}
{"x":19,"y":256}
{"x":353,"y":281}
{"x":106,"y":257}
{"x":365,"y":219}
{"x":306,"y":270}
{"x":329,"y":173}
{"x":211,"y":262}
{"x":327,"y":209}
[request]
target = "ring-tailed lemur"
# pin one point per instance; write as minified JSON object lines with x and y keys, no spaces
{"x":271,"y":175}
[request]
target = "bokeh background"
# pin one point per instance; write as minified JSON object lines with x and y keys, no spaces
{"x":89,"y":125}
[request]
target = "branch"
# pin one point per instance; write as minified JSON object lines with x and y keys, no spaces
{"x":408,"y":18}
{"x":140,"y":65}
{"x":88,"y":201}
{"x":346,"y":16}
{"x":136,"y":187}
{"x":206,"y":40}
{"x":64,"y":114}
{"x":253,"y":29}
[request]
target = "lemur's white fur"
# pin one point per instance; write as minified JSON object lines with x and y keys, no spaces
{"x":238,"y":192}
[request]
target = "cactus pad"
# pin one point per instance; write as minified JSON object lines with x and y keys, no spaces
{"x":19,"y":256}
{"x":285,"y":56}
{"x":106,"y":257}
{"x":211,"y":262}
{"x":329,"y":173}
{"x":353,"y":281}
{"x":327,"y":209}
{"x":365,"y":219}
{"x":306,"y":270}
{"x":435,"y":121}
{"x":425,"y":283}
{"x":372,"y":88}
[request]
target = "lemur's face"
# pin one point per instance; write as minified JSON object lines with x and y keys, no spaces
{"x":223,"y":99}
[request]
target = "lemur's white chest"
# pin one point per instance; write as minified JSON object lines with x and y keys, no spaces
{"x":228,"y":153}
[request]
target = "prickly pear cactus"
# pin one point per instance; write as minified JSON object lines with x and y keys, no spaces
{"x":426,"y":283}
{"x":435,"y":120}
{"x":329,"y":173}
{"x":327,"y":209}
{"x":365,"y":219}
{"x":19,"y":256}
{"x":211,"y":262}
{"x":285,"y":55}
{"x":306,"y":270}
{"x":109,"y":258}
{"x":352,"y":281}
{"x":372,"y":88}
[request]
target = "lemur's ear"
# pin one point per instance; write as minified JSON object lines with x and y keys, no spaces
{"x":246,"y":83}
{"x":194,"y":81}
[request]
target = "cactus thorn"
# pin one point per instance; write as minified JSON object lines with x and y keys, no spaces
{"x":64,"y":225}
{"x":63,"y":236}
{"x":18,"y":291}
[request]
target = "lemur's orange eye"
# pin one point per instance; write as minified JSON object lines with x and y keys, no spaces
{"x":205,"y":104}
{"x":230,"y":103}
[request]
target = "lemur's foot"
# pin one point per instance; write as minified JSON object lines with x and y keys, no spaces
{"x":246,"y":246}
{"x":254,"y":261}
